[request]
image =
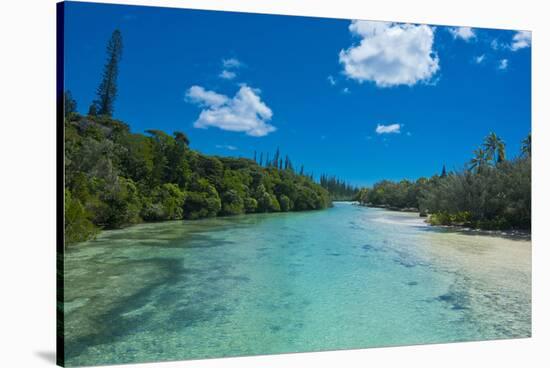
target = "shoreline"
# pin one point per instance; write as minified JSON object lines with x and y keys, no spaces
{"x":198,"y":220}
{"x":508,"y":233}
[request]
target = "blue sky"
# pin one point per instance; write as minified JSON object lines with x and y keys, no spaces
{"x":361,"y":100}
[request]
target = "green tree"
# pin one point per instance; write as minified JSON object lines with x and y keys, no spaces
{"x":107,"y":90}
{"x":526,"y":146}
{"x":478,"y":161}
{"x":284,"y":201}
{"x":232,"y":203}
{"x":275,"y":161}
{"x":495,"y":148}
{"x":250,"y":205}
{"x":78,"y":224}
{"x":202,"y":201}
{"x":166,"y":203}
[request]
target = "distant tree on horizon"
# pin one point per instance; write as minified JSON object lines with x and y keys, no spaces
{"x":275,"y":162}
{"x":288,"y":164}
{"x":526,"y":146}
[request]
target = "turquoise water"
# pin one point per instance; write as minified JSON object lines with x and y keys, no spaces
{"x":343,"y":278}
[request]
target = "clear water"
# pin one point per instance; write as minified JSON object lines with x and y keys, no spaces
{"x":343,"y":278}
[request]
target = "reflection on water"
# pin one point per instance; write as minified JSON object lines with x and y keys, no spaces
{"x":342,"y":278}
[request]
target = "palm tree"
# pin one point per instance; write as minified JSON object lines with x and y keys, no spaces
{"x":526,"y":146}
{"x":495,"y":148}
{"x":478,"y":161}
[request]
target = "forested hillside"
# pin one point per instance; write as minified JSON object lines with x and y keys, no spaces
{"x":491,"y":192}
{"x":114,"y":178}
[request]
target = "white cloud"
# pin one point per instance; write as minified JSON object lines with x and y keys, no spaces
{"x":390,"y":54}
{"x":226,"y":146}
{"x":503,"y":64}
{"x":231,"y":63}
{"x":464,"y":33}
{"x":346,"y":90}
{"x":245,"y":112}
{"x":479,"y":59}
{"x":202,"y":97}
{"x":331,"y":80}
{"x":226,"y":74}
{"x":521,"y":39}
{"x":387,"y":129}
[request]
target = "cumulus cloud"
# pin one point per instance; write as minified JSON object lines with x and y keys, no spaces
{"x":503,"y":64}
{"x":464,"y":33}
{"x":244,"y":112}
{"x":390,"y":54}
{"x":331,"y":80}
{"x":387,"y":129}
{"x":479,"y":59}
{"x":521,"y":39}
{"x":231,"y":63}
{"x":226,"y":74}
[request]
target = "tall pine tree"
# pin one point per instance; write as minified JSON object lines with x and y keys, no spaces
{"x":443,"y":172}
{"x":107,"y":90}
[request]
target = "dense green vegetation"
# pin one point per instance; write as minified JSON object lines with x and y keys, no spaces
{"x":114,"y":177}
{"x":339,"y":189}
{"x":490,"y":193}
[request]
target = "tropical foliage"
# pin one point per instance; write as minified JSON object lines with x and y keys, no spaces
{"x":339,"y":190}
{"x":114,"y":178}
{"x":490,"y":193}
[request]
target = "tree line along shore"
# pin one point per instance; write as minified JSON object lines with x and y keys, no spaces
{"x":491,"y":192}
{"x":115,"y":178}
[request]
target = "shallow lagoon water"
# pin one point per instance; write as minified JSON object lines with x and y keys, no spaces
{"x":342,"y":278}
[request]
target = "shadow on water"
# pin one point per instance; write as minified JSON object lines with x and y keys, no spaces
{"x":187,"y":309}
{"x":111,"y":325}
